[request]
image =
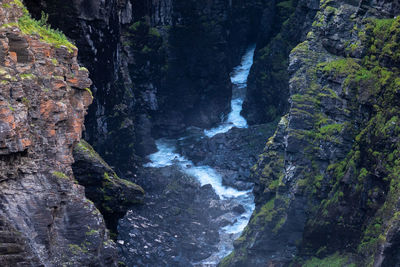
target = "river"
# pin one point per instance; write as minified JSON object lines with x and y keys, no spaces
{"x":167,"y":155}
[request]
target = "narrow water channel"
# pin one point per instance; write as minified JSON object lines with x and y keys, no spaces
{"x":167,"y":155}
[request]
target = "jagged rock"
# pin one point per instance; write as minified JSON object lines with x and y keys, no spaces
{"x":285,"y":25}
{"x":177,"y":225}
{"x":45,"y":219}
{"x":111,"y":194}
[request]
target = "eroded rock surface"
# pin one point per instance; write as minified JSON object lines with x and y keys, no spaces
{"x":157,"y":66}
{"x":231,"y":154}
{"x":45,"y":219}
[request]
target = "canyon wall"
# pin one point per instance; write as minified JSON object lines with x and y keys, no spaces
{"x":45,"y":219}
{"x":286,"y":25}
{"x":327,"y":184}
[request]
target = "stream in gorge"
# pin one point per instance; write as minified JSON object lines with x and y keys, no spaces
{"x":169,"y":156}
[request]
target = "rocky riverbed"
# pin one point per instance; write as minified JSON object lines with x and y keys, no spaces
{"x":184,"y":223}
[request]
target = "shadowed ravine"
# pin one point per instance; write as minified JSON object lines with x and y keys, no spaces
{"x":168,"y":155}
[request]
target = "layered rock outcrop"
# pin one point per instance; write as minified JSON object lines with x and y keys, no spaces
{"x":45,"y":219}
{"x":327,"y":182}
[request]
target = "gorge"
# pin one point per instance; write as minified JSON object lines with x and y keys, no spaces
{"x":224,"y":133}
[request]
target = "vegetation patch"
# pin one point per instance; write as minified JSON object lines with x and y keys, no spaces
{"x":60,"y":175}
{"x":30,"y":26}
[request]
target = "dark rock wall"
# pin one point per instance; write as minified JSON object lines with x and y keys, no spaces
{"x":284,"y":25}
{"x":327,"y":182}
{"x":112,"y":195}
{"x":45,"y":219}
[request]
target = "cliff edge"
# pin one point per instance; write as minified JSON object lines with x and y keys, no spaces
{"x":45,"y":218}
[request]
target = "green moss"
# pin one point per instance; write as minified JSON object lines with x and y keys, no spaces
{"x":59,"y":78}
{"x":331,"y":129}
{"x":154,"y":32}
{"x":76,"y":249}
{"x":92,"y":232}
{"x":26,"y":102}
{"x":87,"y":149}
{"x":227,"y":260}
{"x":107,"y":177}
{"x":135,"y":26}
{"x":146,"y":50}
{"x":279,"y":224}
{"x":340,"y":67}
{"x":90,"y":92}
{"x":11,"y":107}
{"x":266,"y":211}
{"x":335,"y":260}
{"x":27,"y":76}
{"x":60,"y":175}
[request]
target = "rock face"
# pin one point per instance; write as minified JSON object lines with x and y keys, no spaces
{"x":157,"y":66}
{"x":285,"y":24}
{"x":327,"y":182}
{"x":111,"y":194}
{"x":45,"y":219}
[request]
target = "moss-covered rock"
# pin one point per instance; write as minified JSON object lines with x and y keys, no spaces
{"x":268,"y":82}
{"x":112,"y":195}
{"x":336,"y":165}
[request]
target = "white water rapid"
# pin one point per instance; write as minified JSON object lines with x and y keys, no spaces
{"x":239,"y":81}
{"x":167,"y":156}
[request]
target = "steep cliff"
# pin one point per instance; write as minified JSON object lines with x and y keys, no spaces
{"x":327,"y":183}
{"x":285,"y":26}
{"x":45,"y":219}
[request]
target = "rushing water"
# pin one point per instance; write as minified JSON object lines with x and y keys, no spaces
{"x":239,"y":81}
{"x":167,"y":156}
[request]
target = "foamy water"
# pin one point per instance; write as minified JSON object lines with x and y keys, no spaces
{"x":167,"y":156}
{"x":239,"y":81}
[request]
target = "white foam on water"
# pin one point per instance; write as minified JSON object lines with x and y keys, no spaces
{"x":167,"y":156}
{"x":239,"y":81}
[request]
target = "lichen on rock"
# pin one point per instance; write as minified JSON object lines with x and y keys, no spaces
{"x":42,"y":106}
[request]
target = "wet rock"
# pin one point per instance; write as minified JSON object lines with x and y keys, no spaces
{"x":157,"y":66}
{"x":314,"y":196}
{"x":179,"y":222}
{"x":232,"y":154}
{"x":238,"y":209}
